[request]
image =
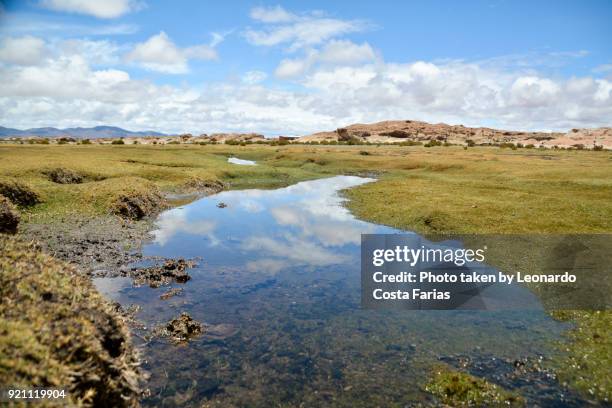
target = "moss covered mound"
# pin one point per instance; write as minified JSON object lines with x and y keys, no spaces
{"x":19,"y":193}
{"x":460,"y":389}
{"x":9,"y":216}
{"x":57,"y":331}
{"x":61,"y":175}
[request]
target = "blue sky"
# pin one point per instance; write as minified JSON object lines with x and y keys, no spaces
{"x":297,"y":67}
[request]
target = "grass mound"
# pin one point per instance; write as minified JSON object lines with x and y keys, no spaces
{"x":19,"y":193}
{"x":131,"y":198}
{"x":61,"y":175}
{"x":459,"y":389}
{"x":9,"y":216}
{"x":57,"y":331}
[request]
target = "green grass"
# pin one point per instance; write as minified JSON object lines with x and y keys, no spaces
{"x":440,"y":189}
{"x":111,"y":171}
{"x":459,"y":389}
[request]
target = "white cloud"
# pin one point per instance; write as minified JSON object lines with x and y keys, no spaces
{"x":96,"y":8}
{"x":346,"y":52}
{"x":203,"y":52}
{"x":217,"y":38}
{"x":66,"y":88}
{"x":26,"y":50}
{"x":335,"y":52}
{"x":603,"y":68}
{"x":102,"y":52}
{"x":275,"y":14}
{"x":159,"y":53}
{"x":16,"y":26}
{"x":532,"y":91}
{"x":292,"y":67}
{"x":281,"y":27}
{"x":254,"y":77}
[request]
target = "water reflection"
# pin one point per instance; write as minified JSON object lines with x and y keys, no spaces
{"x":304,"y":224}
{"x":242,"y":162}
{"x":282,"y":267}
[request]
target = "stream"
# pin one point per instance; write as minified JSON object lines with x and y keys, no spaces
{"x":278,"y":276}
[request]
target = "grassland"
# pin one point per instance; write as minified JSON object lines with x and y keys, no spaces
{"x":430,"y":190}
{"x":440,"y":189}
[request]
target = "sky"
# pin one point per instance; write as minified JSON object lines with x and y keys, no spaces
{"x":293,"y":68}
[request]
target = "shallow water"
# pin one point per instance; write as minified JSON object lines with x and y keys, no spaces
{"x":235,"y":160}
{"x":279,"y":275}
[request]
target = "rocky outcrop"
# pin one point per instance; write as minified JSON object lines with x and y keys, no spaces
{"x":408,"y":130}
{"x":232,"y":137}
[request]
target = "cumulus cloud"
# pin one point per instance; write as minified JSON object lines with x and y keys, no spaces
{"x":346,"y":52}
{"x":100,"y":9}
{"x":603,"y":68}
{"x":80,"y":82}
{"x":292,"y":67}
{"x":159,"y":53}
{"x":67,"y":91}
{"x":26,"y":50}
{"x":283,"y":28}
{"x":335,"y":52}
{"x":275,"y":14}
{"x":100,"y":52}
{"x":254,"y":77}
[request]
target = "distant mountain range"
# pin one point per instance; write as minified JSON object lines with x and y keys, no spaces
{"x":77,"y":133}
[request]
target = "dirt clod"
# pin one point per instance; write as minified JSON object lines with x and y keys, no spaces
{"x":160,"y":275}
{"x":171,"y":293}
{"x":9,"y":216}
{"x":183,"y":327}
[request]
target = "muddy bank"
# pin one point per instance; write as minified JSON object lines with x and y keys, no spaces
{"x":104,"y":245}
{"x":55,"y":325}
{"x":99,"y":246}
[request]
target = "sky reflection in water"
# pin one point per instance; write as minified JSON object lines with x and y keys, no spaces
{"x":283,"y":267}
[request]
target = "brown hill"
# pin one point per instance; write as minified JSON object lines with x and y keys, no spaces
{"x":398,"y":131}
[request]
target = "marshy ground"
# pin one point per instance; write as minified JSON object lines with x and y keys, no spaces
{"x":91,"y":206}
